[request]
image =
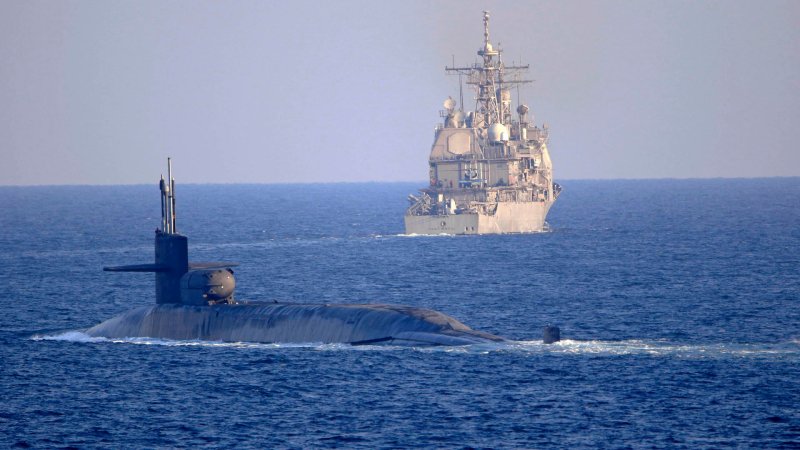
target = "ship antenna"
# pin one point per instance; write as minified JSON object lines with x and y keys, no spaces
{"x":460,"y":91}
{"x":485,"y":28}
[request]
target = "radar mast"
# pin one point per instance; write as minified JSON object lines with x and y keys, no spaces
{"x":490,"y":81}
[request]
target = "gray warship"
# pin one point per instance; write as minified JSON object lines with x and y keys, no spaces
{"x":195,"y":301}
{"x":489,"y":172}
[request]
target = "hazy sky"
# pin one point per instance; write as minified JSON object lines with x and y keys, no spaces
{"x":101,"y":92}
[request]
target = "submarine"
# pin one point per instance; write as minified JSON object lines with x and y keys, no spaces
{"x":195,"y":301}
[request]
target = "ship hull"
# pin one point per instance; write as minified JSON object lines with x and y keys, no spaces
{"x":293,"y":323}
{"x":510,"y":217}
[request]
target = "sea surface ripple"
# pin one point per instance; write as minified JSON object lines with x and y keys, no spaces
{"x":678,"y":301}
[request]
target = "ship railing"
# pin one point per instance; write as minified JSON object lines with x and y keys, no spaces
{"x":463,"y":157}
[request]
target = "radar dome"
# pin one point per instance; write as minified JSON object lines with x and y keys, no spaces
{"x":498,"y":133}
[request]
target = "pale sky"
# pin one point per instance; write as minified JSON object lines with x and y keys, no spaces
{"x":101,"y":92}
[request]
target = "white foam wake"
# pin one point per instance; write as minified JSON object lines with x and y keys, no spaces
{"x":789,"y":349}
{"x":69,"y":336}
{"x":82,"y":337}
{"x":660,"y":348}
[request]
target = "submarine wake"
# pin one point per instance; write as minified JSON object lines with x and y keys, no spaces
{"x":565,"y":348}
{"x":658,"y":348}
{"x":82,"y":337}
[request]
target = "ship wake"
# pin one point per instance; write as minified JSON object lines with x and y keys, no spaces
{"x":648,"y":348}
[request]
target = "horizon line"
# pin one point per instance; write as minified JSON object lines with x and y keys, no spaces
{"x":384,"y":182}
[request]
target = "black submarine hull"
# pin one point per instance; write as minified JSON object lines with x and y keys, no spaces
{"x":195,"y":301}
{"x":357,"y":324}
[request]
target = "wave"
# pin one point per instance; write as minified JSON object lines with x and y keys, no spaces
{"x":566,"y":347}
{"x":660,"y":348}
{"x":417,"y":235}
{"x":82,"y":337}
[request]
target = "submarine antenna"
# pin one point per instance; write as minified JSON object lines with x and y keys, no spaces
{"x":162,"y":188}
{"x":170,"y":199}
{"x":167,"y":207}
{"x":166,"y":198}
{"x":172,"y":192}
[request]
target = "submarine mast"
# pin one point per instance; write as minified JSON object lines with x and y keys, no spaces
{"x":168,"y":222}
{"x":172,"y":249}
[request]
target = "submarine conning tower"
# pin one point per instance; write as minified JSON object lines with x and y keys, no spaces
{"x":177,"y":280}
{"x":172,"y":249}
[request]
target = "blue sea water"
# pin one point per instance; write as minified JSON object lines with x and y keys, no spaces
{"x":679,"y":302}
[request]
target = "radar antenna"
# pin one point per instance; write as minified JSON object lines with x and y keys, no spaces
{"x":490,"y":79}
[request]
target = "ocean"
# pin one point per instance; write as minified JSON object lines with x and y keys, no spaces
{"x":678,"y":303}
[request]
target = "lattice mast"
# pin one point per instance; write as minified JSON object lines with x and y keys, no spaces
{"x":492,"y":81}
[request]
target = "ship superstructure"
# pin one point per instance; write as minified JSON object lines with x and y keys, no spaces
{"x":489,"y":171}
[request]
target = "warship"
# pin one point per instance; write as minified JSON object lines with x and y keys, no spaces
{"x":489,"y":172}
{"x":195,"y":301}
